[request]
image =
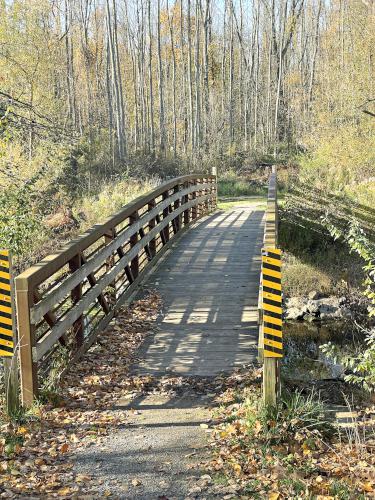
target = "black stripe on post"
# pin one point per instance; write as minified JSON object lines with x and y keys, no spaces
{"x":4,"y":292}
{"x":272,"y":267}
{"x":275,"y":338}
{"x":6,"y":349}
{"x":272,"y":278}
{"x":272,"y":326}
{"x":4,"y":303}
{"x":4,"y":257}
{"x":273,"y":349}
{"x":5,"y":326}
{"x":272,"y":314}
{"x":6,"y":337}
{"x":273,"y":255}
{"x":271,"y":290}
{"x":271,"y":302}
{"x":4,"y":269}
{"x":6,"y":281}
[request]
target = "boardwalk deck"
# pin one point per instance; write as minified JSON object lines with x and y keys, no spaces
{"x":209,"y":285}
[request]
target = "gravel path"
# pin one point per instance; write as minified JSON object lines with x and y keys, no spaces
{"x":156,"y":454}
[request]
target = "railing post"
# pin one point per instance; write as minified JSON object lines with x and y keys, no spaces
{"x":134,"y":266}
{"x":76,"y":295}
{"x":187,"y":211}
{"x":194,"y":208}
{"x":108,"y":238}
{"x":214,"y":183}
{"x":26,"y":339}
{"x":165,"y":214}
{"x":151,"y":225}
{"x":177,"y":220}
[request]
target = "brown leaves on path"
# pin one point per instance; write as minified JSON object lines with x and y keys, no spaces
{"x":35,"y":454}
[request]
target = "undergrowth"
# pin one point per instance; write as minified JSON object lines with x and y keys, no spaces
{"x":291,"y":451}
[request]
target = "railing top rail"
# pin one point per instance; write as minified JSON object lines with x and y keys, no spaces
{"x":49,"y":265}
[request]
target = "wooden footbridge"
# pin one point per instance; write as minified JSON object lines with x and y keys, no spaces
{"x":206,"y":265}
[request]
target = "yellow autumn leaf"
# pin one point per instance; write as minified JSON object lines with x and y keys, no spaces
{"x":21,"y":430}
{"x":237,"y":468}
{"x":368,"y":487}
{"x":273,"y":495}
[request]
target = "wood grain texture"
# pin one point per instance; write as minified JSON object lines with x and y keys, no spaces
{"x":209,"y":285}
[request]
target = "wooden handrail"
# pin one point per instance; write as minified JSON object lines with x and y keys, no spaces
{"x":69,"y":297}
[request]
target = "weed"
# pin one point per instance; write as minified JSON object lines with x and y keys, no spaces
{"x":340,"y":490}
{"x":294,"y":485}
{"x":294,"y":413}
{"x":220,"y":479}
{"x":252,"y":487}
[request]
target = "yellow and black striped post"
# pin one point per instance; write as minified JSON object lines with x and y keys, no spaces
{"x":8,"y":334}
{"x":6,"y":306}
{"x":271,"y":303}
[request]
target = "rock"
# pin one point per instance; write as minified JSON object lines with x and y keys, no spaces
{"x":312,"y":307}
{"x":314,"y":295}
{"x":295,"y":302}
{"x":310,"y":318}
{"x":294,"y":313}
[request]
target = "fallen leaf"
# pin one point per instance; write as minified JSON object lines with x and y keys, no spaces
{"x":273,"y":495}
{"x":368,"y":486}
{"x":64,"y":448}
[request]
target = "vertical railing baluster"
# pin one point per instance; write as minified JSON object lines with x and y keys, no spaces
{"x":177,"y":220}
{"x":134,"y":265}
{"x":165,"y":214}
{"x":187,"y":211}
{"x":194,"y":209}
{"x":108,"y":238}
{"x":151,"y":225}
{"x":76,"y":295}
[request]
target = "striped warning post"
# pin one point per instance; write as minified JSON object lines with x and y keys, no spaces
{"x":271,"y":303}
{"x":6,"y":317}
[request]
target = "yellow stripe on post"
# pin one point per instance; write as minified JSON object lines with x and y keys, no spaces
{"x":271,"y":272}
{"x":271,"y":284}
{"x":271,"y":303}
{"x":272,"y":296}
{"x":270,"y":319}
{"x":5,"y":309}
{"x":273,"y":343}
{"x":269,"y":307}
{"x":272,"y":331}
{"x":270,"y":260}
{"x":271,"y":354}
{"x":6,"y":306}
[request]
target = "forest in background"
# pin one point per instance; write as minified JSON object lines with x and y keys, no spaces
{"x":103,"y":98}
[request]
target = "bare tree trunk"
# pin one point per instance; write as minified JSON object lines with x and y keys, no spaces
{"x":197,"y":125}
{"x":207,"y":22}
{"x":161,"y":90}
{"x":190,"y":79}
{"x":171,"y":32}
{"x":150,"y":79}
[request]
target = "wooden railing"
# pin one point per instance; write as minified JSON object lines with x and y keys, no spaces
{"x":271,"y":366}
{"x":68,"y":298}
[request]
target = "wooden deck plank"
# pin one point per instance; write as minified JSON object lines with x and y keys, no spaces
{"x":209,"y":286}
